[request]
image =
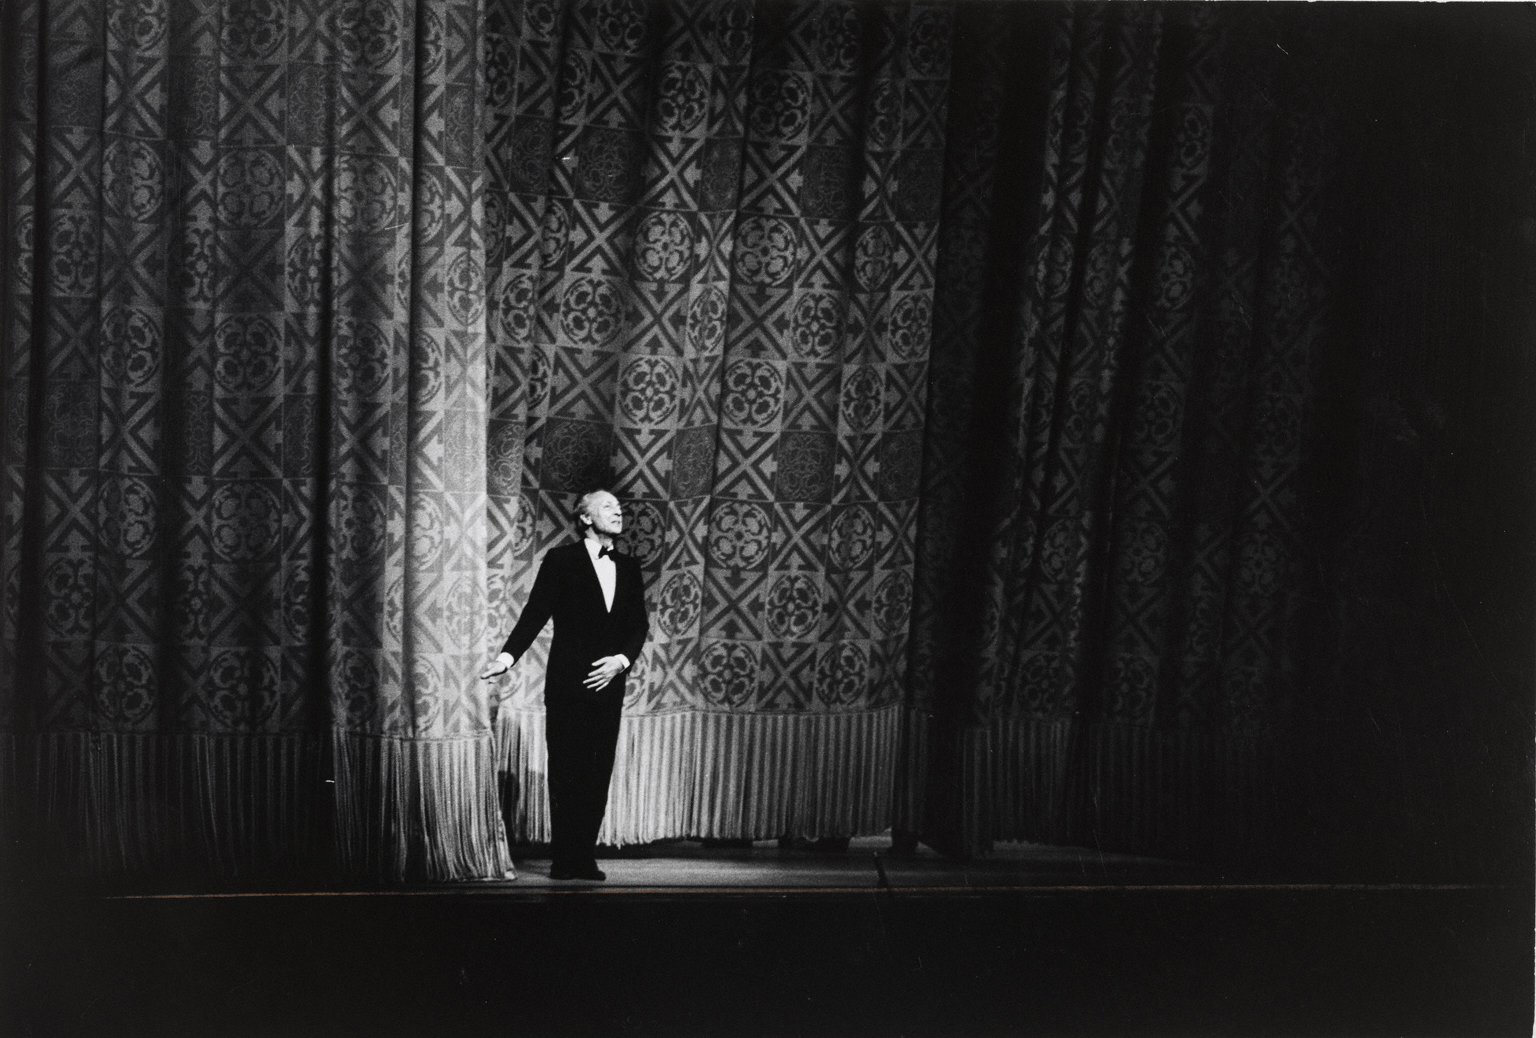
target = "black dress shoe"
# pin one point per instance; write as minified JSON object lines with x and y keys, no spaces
{"x":589,"y":872}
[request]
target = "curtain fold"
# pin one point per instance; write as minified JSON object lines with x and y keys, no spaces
{"x":1110,"y":657}
{"x":713,"y":238}
{"x":244,"y":374}
{"x":971,"y":375}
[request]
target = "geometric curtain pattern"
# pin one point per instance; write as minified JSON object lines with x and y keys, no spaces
{"x":244,"y":382}
{"x":712,"y":235}
{"x":960,"y":423}
{"x":1130,"y":626}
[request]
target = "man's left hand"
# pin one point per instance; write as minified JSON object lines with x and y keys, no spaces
{"x":604,"y":671}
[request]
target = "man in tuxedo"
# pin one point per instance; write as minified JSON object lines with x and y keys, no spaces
{"x":596,"y":597}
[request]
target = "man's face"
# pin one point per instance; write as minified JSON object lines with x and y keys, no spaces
{"x":605,"y":514}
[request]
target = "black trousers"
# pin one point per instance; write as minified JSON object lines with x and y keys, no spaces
{"x":581,"y":736}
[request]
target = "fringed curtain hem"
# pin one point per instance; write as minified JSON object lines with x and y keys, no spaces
{"x":102,"y":804}
{"x":713,"y":775}
{"x":1183,"y":794}
{"x":412,"y":808}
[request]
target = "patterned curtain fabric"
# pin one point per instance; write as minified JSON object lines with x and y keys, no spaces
{"x":711,"y":244}
{"x":962,"y":409}
{"x":1113,"y":585}
{"x":244,"y":371}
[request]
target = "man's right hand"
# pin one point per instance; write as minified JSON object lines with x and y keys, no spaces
{"x":497,"y":667}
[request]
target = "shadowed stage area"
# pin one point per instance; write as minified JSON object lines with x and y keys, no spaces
{"x":689,"y":940}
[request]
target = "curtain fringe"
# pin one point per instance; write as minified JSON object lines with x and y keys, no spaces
{"x":1182,"y":793}
{"x":418,"y":808}
{"x":911,"y":780}
{"x":240,"y":806}
{"x":105,"y":804}
{"x":1127,"y":787}
{"x":715,"y":775}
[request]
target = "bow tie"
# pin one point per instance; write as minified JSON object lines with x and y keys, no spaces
{"x":603,"y":552}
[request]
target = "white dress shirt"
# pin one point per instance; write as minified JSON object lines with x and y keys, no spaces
{"x":607,"y":576}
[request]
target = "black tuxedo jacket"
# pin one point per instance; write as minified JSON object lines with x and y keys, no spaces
{"x":566,"y":590}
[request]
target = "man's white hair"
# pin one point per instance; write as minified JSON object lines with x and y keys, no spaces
{"x":585,"y":499}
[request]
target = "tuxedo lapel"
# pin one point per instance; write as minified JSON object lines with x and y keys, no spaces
{"x":592,"y":597}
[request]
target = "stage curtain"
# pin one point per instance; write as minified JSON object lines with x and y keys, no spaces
{"x":244,"y":372}
{"x":712,"y":232}
{"x":1116,"y":568}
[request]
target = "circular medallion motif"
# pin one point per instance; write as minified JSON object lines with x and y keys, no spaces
{"x":621,"y":24}
{"x":246,"y":521}
{"x":72,"y":254}
{"x":590,"y":311}
{"x":241,"y":686}
{"x":682,"y":97}
{"x":464,"y":287}
{"x":863,"y":397}
{"x":522,"y":526}
{"x":706,"y":320}
{"x":740,"y":534}
{"x":504,"y":458}
{"x":1260,"y":560}
{"x":678,"y":605}
{"x":884,"y":116}
{"x":553,"y":234}
{"x":1061,"y":550}
{"x":252,"y":29}
{"x":426,"y":530}
{"x":1159,"y":414}
{"x":818,"y":324}
{"x":727,"y":673}
{"x":852,"y":537}
{"x":367,"y":194}
{"x":538,"y":378}
{"x":360,"y":522}
{"x":362,"y":358}
{"x":837,"y":39}
{"x":250,"y":189}
{"x":794,"y":606}
{"x":25,"y":248}
{"x":69,"y":586}
{"x":911,"y":325}
{"x":781,"y":104}
{"x":928,"y":46}
{"x":754,"y":392}
{"x":645,"y":532}
{"x":130,"y":346}
{"x":125,"y":682}
{"x":139,"y":24}
{"x":516,"y":306}
{"x":126,"y":513}
{"x":872,"y":258}
{"x":663,"y":247}
{"x":842,"y":674}
{"x":765,"y":250}
{"x":733,"y":25}
{"x":304,"y":270}
{"x":358,"y":683}
{"x":648,"y":390}
{"x":430,"y":45}
{"x":133,"y":179}
{"x":463,"y":608}
{"x":296,"y":598}
{"x":247,"y":352}
{"x":893,"y":603}
{"x":366,"y":32}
